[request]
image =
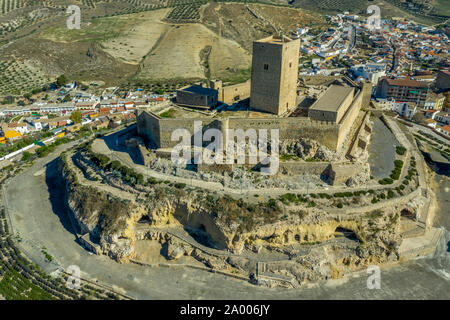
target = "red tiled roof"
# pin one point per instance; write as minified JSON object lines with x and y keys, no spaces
{"x":406,"y":83}
{"x":446,"y":128}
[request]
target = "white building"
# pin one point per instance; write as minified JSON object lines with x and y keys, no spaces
{"x":406,"y":109}
{"x":431,"y":114}
{"x":372,"y":72}
{"x":443,"y":118}
{"x":85,"y":121}
{"x":445,"y":130}
{"x":386,"y":104}
{"x":431,"y":123}
{"x":36,"y":124}
{"x":57,"y":107}
{"x":18,"y":127}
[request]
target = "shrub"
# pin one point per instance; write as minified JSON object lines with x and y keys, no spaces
{"x":26,"y":156}
{"x":288,"y":197}
{"x":152,"y":181}
{"x":115,"y":165}
{"x":100,"y":160}
{"x":398,"y":163}
{"x":340,"y":205}
{"x":272,"y":204}
{"x":180,"y":185}
{"x":400,"y":150}
{"x":390,"y":194}
{"x":385,"y":181}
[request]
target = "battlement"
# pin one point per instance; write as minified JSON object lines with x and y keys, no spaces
{"x":275,"y":40}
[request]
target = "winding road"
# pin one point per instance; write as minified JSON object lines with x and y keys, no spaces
{"x":38,"y":213}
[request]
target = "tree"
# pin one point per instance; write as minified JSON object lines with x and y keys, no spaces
{"x":61,"y":80}
{"x":76,"y":116}
{"x":26,"y":156}
{"x":419,"y":117}
{"x":67,"y":98}
{"x":8,"y":100}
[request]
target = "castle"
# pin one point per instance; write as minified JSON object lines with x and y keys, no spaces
{"x":273,"y":100}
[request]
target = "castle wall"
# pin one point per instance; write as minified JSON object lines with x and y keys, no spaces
{"x":234,"y":93}
{"x":325,"y":133}
{"x":159,"y":130}
{"x":349,"y":118}
{"x":332,"y":135}
{"x":148,"y":127}
{"x":367,"y":93}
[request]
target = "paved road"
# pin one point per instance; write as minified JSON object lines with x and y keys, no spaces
{"x":39,"y":216}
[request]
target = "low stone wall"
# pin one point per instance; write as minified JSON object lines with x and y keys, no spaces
{"x":300,"y":167}
{"x":339,"y":173}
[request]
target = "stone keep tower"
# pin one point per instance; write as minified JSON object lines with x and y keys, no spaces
{"x":274,"y":74}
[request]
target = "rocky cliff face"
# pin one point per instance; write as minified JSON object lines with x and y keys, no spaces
{"x":315,"y":244}
{"x":307,"y":149}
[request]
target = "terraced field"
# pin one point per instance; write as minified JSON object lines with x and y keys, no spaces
{"x":140,"y":41}
{"x":9,"y":5}
{"x":17,"y":78}
{"x":354,"y":6}
{"x":442,"y":7}
{"x":185,"y":13}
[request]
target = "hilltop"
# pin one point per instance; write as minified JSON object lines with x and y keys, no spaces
{"x":153,"y":42}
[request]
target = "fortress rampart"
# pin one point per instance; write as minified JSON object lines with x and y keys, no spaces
{"x":158,"y":131}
